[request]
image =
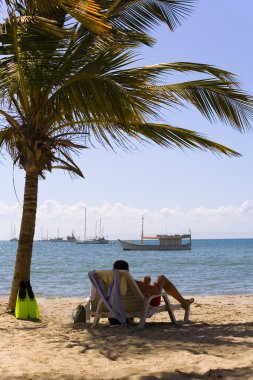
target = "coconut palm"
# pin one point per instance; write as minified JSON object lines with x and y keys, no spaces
{"x":59,"y":84}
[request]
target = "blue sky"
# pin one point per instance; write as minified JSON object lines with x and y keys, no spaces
{"x":174,"y":190}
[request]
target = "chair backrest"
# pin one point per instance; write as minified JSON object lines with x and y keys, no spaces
{"x":132,"y":297}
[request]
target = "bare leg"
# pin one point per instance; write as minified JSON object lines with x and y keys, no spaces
{"x":170,"y":289}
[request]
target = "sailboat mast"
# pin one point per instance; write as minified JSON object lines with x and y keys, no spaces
{"x":142,"y":224}
{"x":85,"y":223}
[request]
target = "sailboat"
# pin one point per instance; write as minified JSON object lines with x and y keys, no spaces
{"x":97,"y":239}
{"x":46,"y":238}
{"x":13,"y":237}
{"x":57,"y":239}
{"x":162,"y":242}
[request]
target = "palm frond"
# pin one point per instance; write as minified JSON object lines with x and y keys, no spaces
{"x":156,"y":70}
{"x":6,"y":136}
{"x":87,"y":12}
{"x":10,"y":119}
{"x":163,"y":135}
{"x":141,"y":15}
{"x":215,"y":99}
{"x":168,"y":136}
{"x":67,"y":164}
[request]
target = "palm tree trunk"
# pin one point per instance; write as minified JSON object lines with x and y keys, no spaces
{"x":25,"y":243}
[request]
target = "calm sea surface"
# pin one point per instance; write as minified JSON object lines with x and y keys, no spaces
{"x":212,"y":267}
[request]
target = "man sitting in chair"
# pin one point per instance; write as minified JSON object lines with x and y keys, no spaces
{"x":161,"y":283}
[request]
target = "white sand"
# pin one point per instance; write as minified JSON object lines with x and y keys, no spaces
{"x":217,"y":344}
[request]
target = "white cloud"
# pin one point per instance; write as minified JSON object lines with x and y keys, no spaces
{"x":123,"y":221}
{"x":246,"y":209}
{"x":7,"y":211}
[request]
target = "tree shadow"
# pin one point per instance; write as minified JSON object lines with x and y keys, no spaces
{"x":243,"y":373}
{"x":117,"y":342}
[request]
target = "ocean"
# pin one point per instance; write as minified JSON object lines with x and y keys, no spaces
{"x":212,"y":267}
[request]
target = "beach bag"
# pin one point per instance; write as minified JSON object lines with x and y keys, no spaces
{"x":79,"y":314}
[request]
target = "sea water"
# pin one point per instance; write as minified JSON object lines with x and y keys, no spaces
{"x":59,"y":269}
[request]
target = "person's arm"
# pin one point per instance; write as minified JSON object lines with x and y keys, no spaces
{"x":148,"y":290}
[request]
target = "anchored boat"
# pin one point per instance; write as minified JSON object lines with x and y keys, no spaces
{"x":159,"y":243}
{"x":97,"y":239}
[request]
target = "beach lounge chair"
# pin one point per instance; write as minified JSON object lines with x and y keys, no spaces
{"x":135,"y":304}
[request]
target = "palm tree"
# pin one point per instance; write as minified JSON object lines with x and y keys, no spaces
{"x":59,"y":83}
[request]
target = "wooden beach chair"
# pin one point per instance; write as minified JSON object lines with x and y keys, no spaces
{"x":136,"y":305}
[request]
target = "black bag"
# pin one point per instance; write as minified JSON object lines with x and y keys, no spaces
{"x":79,"y":314}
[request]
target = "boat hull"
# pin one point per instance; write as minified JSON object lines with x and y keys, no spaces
{"x":129,"y":246}
{"x":95,"y":241}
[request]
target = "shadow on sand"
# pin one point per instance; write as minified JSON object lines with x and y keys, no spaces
{"x":236,"y":373}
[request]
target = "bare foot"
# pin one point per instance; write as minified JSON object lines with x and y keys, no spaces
{"x":146,"y":280}
{"x":187,"y":303}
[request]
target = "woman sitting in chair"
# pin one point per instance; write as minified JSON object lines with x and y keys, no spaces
{"x":161,"y":283}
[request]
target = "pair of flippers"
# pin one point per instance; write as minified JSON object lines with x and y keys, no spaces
{"x":26,"y":304}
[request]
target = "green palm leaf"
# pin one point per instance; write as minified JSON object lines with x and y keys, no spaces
{"x":140,"y":15}
{"x":215,"y":99}
{"x":168,"y":136}
{"x":163,"y":135}
{"x":87,"y":12}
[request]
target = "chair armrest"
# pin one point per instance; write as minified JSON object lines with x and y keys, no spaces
{"x":148,"y":299}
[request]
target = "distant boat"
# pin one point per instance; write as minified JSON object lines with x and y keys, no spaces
{"x":42,"y":238}
{"x":165,"y":243}
{"x":13,"y":238}
{"x":97,"y":239}
{"x":57,"y":239}
{"x":71,"y":238}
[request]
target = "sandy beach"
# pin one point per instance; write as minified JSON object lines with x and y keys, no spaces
{"x":216,"y":344}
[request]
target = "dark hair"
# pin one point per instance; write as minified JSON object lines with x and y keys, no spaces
{"x":121,"y":264}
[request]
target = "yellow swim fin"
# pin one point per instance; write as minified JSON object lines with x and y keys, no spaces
{"x":32,"y":306}
{"x":21,"y":309}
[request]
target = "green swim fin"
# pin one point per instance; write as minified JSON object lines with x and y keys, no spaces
{"x":32,"y":306}
{"x":21,"y":309}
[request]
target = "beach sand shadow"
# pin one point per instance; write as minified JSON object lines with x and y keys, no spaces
{"x":196,"y":338}
{"x":243,"y":373}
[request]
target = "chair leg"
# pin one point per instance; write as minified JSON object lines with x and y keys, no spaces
{"x":88,"y":308}
{"x":187,"y":314}
{"x":169,"y":308}
{"x":142,"y":323}
{"x":144,"y":314}
{"x":95,"y":321}
{"x":97,"y":316}
{"x":172,"y":315}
